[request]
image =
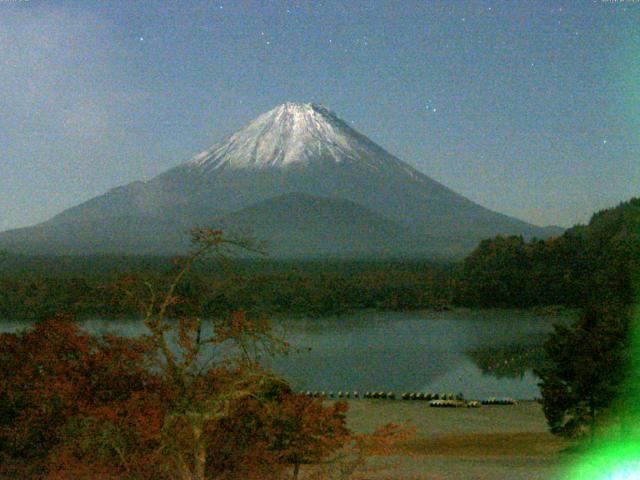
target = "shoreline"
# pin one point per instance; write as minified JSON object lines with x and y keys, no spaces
{"x":463,"y":444}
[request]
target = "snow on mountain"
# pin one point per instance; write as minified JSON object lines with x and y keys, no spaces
{"x":292,"y":134}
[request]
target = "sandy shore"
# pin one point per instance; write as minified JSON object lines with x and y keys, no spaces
{"x":491,"y":442}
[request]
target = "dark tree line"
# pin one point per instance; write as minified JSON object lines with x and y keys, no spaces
{"x":587,"y":264}
{"x":509,"y":272}
{"x":597,"y":263}
{"x":271,"y":287}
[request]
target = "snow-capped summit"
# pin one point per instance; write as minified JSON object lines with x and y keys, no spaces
{"x":292,"y":133}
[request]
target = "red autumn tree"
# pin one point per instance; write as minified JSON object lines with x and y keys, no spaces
{"x":189,"y":401}
{"x":52,"y":377}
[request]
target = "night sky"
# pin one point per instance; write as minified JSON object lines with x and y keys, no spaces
{"x":531,"y":108}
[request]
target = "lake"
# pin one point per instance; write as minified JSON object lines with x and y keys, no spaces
{"x":399,"y":351}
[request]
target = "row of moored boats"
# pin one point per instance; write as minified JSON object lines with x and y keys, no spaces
{"x":435,"y":399}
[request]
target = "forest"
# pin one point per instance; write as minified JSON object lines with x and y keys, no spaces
{"x":588,"y":263}
{"x":37,"y":287}
{"x":594,"y":263}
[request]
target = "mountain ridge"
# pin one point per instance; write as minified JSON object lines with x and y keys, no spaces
{"x":305,"y":149}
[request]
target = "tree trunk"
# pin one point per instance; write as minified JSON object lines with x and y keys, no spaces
{"x":625,"y":422}
{"x":592,"y":413}
{"x":296,"y":470}
{"x":200,"y":454}
{"x":185,"y":472}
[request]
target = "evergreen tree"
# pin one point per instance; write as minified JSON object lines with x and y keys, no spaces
{"x":585,"y":371}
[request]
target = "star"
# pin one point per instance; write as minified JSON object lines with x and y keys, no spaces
{"x":604,"y":142}
{"x":435,"y":110}
{"x":142,"y":39}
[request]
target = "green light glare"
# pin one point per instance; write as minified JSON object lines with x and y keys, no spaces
{"x":614,"y":456}
{"x":631,"y":472}
{"x":615,"y":462}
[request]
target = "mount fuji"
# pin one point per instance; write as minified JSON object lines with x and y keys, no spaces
{"x":297,"y":177}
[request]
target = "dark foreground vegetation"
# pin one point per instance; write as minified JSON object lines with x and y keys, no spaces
{"x":590,"y":376}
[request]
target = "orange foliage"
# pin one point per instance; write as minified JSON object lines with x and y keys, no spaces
{"x":58,"y":383}
{"x":81,"y":407}
{"x":75,"y":406}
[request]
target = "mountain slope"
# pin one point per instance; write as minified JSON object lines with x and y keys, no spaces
{"x":292,"y":224}
{"x":300,"y":148}
{"x":114,"y":235}
{"x":317,"y":226}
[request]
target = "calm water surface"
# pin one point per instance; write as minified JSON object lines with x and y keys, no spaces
{"x":424,"y":351}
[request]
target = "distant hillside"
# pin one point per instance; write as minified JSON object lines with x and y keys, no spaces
{"x":113,"y":235}
{"x":599,"y":261}
{"x":300,"y":225}
{"x":292,"y":225}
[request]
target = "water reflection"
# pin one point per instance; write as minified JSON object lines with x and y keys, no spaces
{"x":510,"y":361}
{"x":427,"y":351}
{"x":477,"y":352}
